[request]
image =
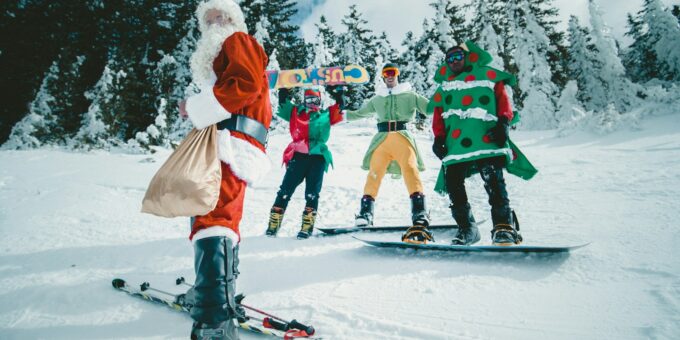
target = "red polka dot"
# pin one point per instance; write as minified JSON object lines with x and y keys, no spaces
{"x":486,"y":139}
{"x":442,"y":70}
{"x":456,"y":133}
{"x":452,"y":77}
{"x":437,"y":97}
{"x":474,"y":57}
{"x":470,"y":78}
{"x":467,"y":100}
{"x":491,"y":74}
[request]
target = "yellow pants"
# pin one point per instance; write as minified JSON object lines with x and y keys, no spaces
{"x":394,"y":148}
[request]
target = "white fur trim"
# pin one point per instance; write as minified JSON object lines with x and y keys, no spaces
{"x":246,"y":160}
{"x":384,"y":91}
{"x":216,"y":231}
{"x":229,"y":7}
{"x":204,"y":109}
{"x":477,"y":113}
{"x":466,"y":85}
{"x":505,"y":151}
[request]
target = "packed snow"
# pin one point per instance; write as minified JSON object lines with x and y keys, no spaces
{"x":70,"y":223}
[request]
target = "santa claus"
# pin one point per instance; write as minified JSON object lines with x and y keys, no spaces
{"x":229,"y":68}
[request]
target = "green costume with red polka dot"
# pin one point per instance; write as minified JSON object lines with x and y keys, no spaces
{"x":472,"y":115}
{"x":466,"y":106}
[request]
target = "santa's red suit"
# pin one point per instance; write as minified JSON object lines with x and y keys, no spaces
{"x":239,"y":87}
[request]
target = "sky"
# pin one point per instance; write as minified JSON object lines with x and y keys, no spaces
{"x":396,"y":17}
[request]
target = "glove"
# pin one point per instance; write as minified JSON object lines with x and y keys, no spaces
{"x":337,"y":92}
{"x":439,"y":147}
{"x":499,"y":133}
{"x":284,"y":94}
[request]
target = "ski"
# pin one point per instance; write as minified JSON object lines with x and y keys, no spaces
{"x":473,"y":248}
{"x":347,"y":230}
{"x":270,"y":325}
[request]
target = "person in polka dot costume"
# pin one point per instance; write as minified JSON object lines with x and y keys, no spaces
{"x":472,"y":116}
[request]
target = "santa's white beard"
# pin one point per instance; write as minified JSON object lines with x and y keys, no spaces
{"x":207,"y":49}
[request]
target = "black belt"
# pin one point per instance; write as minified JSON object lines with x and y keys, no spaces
{"x":392,"y":125}
{"x":246,"y":125}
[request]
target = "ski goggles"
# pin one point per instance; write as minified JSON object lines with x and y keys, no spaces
{"x":390,"y":72}
{"x":455,"y":56}
{"x":313,"y":100}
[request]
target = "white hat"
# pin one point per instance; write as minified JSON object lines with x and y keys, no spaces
{"x":229,"y":7}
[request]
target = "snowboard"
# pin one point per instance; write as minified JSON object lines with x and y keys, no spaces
{"x":321,"y":76}
{"x":347,"y":230}
{"x":473,"y":248}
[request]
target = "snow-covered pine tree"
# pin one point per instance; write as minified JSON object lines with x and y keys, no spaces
{"x":619,"y":90}
{"x":537,"y":91}
{"x":570,"y":112}
{"x":411,"y":69}
{"x":94,"y":132}
{"x":38,"y":126}
{"x":357,"y":46}
{"x":584,"y":67}
{"x":639,"y":58}
{"x":485,"y":32}
{"x":663,"y":33}
{"x":281,"y":34}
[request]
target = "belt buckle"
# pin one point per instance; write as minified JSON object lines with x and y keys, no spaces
{"x":389,"y":125}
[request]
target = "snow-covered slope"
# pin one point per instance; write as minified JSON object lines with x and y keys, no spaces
{"x":69,"y":223}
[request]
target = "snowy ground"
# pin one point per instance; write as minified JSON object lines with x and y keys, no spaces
{"x":69,"y":223}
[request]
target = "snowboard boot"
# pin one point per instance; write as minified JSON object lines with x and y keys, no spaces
{"x":468,"y":233}
{"x":505,"y":230}
{"x":308,"y":219}
{"x":275,"y":219}
{"x":365,"y":217}
{"x":214,"y":310}
{"x":417,"y":234}
{"x":419,"y":215}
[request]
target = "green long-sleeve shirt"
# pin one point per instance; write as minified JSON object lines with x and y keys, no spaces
{"x":397,"y":104}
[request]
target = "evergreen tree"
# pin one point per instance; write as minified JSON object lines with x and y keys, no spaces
{"x":273,"y":17}
{"x":640,"y":57}
{"x":537,"y":91}
{"x":584,"y":67}
{"x":485,"y":31}
{"x":357,"y":47}
{"x":664,"y":36}
{"x":618,"y":89}
{"x":570,"y":112}
{"x":38,"y":126}
{"x":676,"y":12}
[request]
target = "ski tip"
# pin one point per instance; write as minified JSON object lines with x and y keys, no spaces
{"x":118,"y":283}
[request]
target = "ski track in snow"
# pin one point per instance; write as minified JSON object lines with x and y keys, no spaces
{"x":70,"y":223}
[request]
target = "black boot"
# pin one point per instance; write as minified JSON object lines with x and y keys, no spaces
{"x":419,"y":215}
{"x":365,"y":217}
{"x":505,"y":230}
{"x":468,"y":233}
{"x":214,"y":310}
{"x":308,"y":219}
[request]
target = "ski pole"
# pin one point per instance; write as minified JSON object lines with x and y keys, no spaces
{"x":147,"y":286}
{"x":293,"y":324}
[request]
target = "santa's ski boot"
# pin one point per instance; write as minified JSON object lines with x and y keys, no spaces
{"x":308,"y":219}
{"x":365,"y":216}
{"x":505,"y":230}
{"x":275,"y":219}
{"x":213,"y":292}
{"x":468,"y":233}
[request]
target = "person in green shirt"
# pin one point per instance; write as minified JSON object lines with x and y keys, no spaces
{"x":307,"y":156}
{"x":393,"y":150}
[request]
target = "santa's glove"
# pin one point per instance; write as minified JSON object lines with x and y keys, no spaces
{"x":284,"y":95}
{"x":439,"y":147}
{"x":499,"y":133}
